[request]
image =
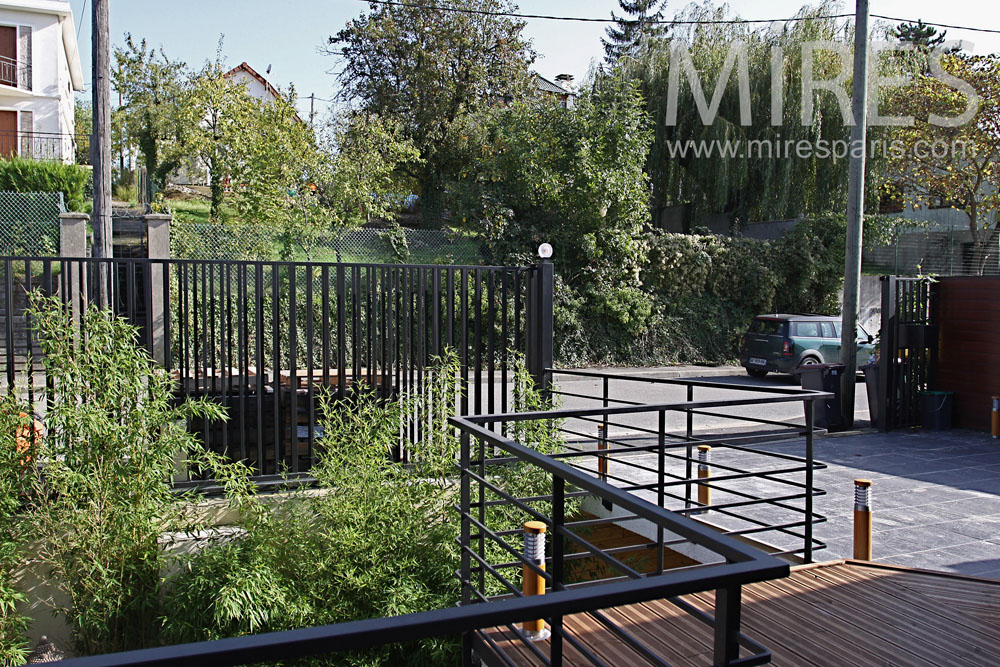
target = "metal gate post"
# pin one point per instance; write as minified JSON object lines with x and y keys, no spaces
{"x":887,"y":355}
{"x":539,"y":355}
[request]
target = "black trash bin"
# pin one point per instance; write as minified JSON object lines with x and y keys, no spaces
{"x":935,"y":410}
{"x":825,"y":377}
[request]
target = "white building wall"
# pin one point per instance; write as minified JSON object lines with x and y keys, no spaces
{"x":51,"y":98}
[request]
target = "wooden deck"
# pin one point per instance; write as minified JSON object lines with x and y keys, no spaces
{"x":838,"y":613}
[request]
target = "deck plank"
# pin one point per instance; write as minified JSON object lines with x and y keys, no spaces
{"x":821,"y":615}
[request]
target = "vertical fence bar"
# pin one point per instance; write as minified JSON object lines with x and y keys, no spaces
{"x":661,"y":472}
{"x":293,"y":378}
{"x":808,"y":553}
{"x":558,"y":566}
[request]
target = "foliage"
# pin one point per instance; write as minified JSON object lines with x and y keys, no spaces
{"x":430,"y":70}
{"x":569,"y":177}
{"x":954,"y":162}
{"x":113,"y":432}
{"x":753,"y":183}
{"x":18,"y":450}
{"x":639,"y":22}
{"x":153,"y":109}
{"x":219,"y":115}
{"x":375,"y":539}
{"x":24,"y":175}
{"x":83,"y":121}
{"x":920,"y":35}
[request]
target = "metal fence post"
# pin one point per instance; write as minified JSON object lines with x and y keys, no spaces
{"x":727,"y":625}
{"x":540,"y":326}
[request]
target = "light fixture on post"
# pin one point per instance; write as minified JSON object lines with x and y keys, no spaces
{"x":545,"y":251}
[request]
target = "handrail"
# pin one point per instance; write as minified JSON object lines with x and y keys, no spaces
{"x":683,"y":526}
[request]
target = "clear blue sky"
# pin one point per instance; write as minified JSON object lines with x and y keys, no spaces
{"x":288,"y":35}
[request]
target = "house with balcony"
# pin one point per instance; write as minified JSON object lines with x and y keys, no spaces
{"x":39,"y":72}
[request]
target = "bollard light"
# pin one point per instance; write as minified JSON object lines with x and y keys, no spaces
{"x":545,"y":251}
{"x":602,"y":459}
{"x":862,"y":519}
{"x":534,"y":583}
{"x":704,"y":472}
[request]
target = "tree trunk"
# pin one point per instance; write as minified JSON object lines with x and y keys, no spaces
{"x":215,"y":184}
{"x":431,"y":199}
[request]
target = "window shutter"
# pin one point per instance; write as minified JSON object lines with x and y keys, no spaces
{"x":27,"y":134}
{"x":24,"y":57}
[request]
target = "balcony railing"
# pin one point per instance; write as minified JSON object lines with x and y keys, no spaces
{"x":40,"y":145}
{"x":14,"y":73}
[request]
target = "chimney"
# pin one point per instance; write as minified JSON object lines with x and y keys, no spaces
{"x":565,"y":80}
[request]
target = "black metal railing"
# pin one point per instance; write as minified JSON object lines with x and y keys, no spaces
{"x":40,"y":145}
{"x":762,"y":467}
{"x":266,"y":339}
{"x":490,"y":595}
{"x":492,"y":560}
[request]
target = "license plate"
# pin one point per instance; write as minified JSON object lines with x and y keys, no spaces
{"x":757,"y":361}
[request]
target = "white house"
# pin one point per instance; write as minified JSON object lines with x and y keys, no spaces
{"x":39,"y":71}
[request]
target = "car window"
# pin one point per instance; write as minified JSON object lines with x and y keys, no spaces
{"x":805,"y":329}
{"x":862,"y":334}
{"x":829,"y":331}
{"x":766,"y":327}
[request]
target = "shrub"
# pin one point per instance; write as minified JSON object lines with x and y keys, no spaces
{"x":23,"y":175}
{"x":113,"y":431}
{"x":18,"y":442}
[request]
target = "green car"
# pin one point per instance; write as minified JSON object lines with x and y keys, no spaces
{"x":782,"y":343}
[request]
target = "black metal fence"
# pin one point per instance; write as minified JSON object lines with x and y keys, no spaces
{"x":491,"y":598}
{"x":266,"y":339}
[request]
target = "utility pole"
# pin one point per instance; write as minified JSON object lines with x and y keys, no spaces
{"x":312,"y":108}
{"x":101,"y":151}
{"x":855,"y":215}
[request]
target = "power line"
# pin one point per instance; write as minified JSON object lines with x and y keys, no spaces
{"x":593,"y":19}
{"x":938,"y":25}
{"x":82,"y":14}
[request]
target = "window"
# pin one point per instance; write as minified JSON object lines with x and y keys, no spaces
{"x":806,"y":329}
{"x":767,"y":327}
{"x":829,"y":331}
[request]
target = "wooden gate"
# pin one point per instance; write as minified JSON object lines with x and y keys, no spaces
{"x":907,"y":350}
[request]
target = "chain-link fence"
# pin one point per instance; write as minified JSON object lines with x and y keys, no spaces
{"x":944,"y":252}
{"x":363,"y":245}
{"x":29,"y":223}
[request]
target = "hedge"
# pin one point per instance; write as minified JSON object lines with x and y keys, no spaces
{"x":698,"y":293}
{"x":22,"y":175}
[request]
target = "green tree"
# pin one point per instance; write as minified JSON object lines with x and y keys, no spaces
{"x":954,"y":160}
{"x":152,"y":113}
{"x":919,"y":35}
{"x":429,"y":69}
{"x":640,"y":21}
{"x":83,"y":127}
{"x":220,"y":115}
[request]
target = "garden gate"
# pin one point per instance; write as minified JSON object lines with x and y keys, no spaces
{"x":907,"y":350}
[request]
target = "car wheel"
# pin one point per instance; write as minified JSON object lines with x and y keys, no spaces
{"x":756,"y":373}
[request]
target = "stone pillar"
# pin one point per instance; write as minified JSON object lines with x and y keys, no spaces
{"x":73,"y":234}
{"x":73,"y":244}
{"x":158,"y":242}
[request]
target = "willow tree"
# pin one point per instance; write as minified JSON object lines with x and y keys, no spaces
{"x":736,"y":130}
